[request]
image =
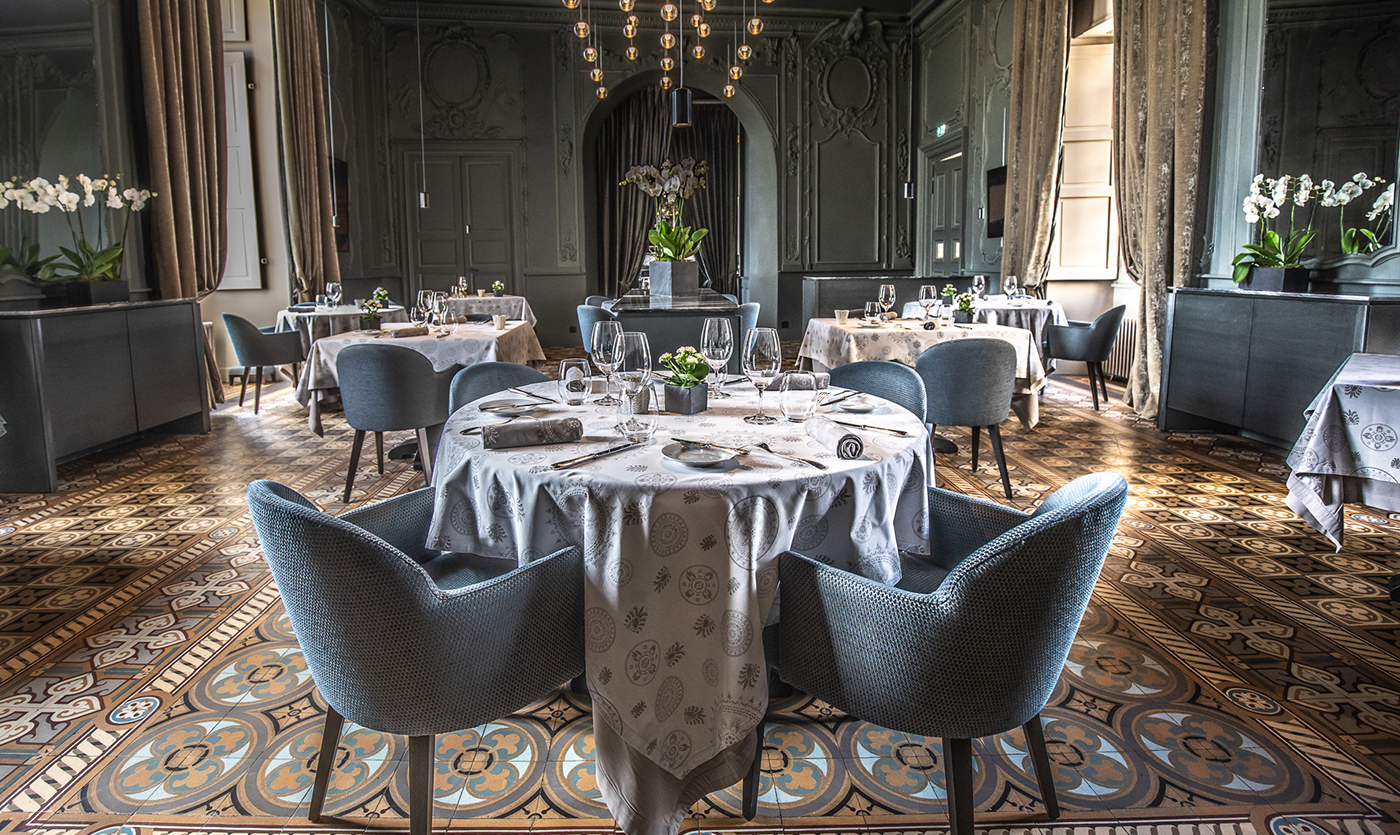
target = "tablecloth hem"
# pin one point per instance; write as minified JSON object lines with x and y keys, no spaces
{"x":1302,"y":500}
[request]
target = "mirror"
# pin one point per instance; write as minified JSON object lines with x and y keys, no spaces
{"x":1331,"y":105}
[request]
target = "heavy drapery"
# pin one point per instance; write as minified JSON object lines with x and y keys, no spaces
{"x":1161,"y":75}
{"x":639,"y":132}
{"x":182,"y":76}
{"x":306,"y":155}
{"x":1035,"y":133}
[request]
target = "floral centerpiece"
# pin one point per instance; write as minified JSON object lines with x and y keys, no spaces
{"x":382,"y":297}
{"x":949,"y":291}
{"x":684,"y":393}
{"x":498,"y":288}
{"x":673,"y":244}
{"x":89,"y":260}
{"x":1361,"y":240}
{"x":963,"y":306}
{"x":369,"y":313}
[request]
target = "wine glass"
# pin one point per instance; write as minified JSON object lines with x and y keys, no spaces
{"x":763,"y":357}
{"x":333,"y":291}
{"x":979,"y":285}
{"x":1009,"y":285}
{"x":928,"y":297}
{"x":872,"y":313}
{"x":633,"y":370}
{"x":424,"y":303}
{"x":887,"y":296}
{"x":717,"y":346}
{"x":605,"y":336}
{"x":440,"y":309}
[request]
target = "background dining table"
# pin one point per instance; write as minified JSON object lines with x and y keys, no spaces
{"x":513,"y":307}
{"x":827,"y":344}
{"x":1029,"y":314}
{"x":326,"y":320}
{"x":461,"y":346}
{"x":681,"y":567}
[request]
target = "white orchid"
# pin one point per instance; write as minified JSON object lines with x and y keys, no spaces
{"x":1384,"y":203}
{"x":114,"y":198}
{"x":86,"y":260}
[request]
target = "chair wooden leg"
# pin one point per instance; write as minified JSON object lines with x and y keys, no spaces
{"x":1035,"y":741}
{"x":976,"y":445}
{"x":420,"y":785}
{"x":1103,"y":381}
{"x":425,"y":454}
{"x":1093,"y":385}
{"x":379,"y":450}
{"x":243,"y":391}
{"x":957,"y":765}
{"x":751,"y":779}
{"x":994,"y":432}
{"x":325,"y":762}
{"x":257,"y":391}
{"x":355,"y":448}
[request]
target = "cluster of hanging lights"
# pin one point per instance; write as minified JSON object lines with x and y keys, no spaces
{"x":673,"y":45}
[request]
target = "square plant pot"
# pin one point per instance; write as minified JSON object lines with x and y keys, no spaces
{"x":1277,"y":279}
{"x":675,"y":278}
{"x":370,"y":324}
{"x":81,"y":293}
{"x":691,"y":401}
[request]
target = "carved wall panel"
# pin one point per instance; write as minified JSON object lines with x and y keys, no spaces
{"x":470,"y":82}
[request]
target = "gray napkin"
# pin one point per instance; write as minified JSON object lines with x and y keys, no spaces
{"x":399,"y":333}
{"x":531,"y":432}
{"x":846,"y":445}
{"x":823,"y":380}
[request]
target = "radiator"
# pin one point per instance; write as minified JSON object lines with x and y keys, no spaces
{"x":1120,"y":360}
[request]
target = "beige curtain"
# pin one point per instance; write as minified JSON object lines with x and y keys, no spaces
{"x":306,"y":155}
{"x":1161,"y":74}
{"x":182,"y":73}
{"x":1035,"y":130}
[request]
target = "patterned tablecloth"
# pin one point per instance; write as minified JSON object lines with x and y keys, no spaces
{"x":1032,"y":315}
{"x":682,"y":568}
{"x":328,"y":321}
{"x":1350,"y":449}
{"x":827,"y":345}
{"x":465,"y":345}
{"x":513,"y":306}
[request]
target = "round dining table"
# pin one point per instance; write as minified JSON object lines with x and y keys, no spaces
{"x":681,"y":565}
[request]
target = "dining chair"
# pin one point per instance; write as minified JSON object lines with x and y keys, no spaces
{"x":971,"y":643}
{"x":388,"y":388}
{"x":588,"y":316}
{"x":597,"y":301}
{"x":258,"y":348}
{"x":476,"y":381}
{"x":969,"y":382}
{"x":403,"y":640}
{"x":890,"y":380}
{"x":1089,"y":343}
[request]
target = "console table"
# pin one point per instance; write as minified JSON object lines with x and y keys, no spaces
{"x":1252,"y":362}
{"x":79,"y":379}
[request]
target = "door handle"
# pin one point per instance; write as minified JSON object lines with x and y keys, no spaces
{"x":468,"y":228}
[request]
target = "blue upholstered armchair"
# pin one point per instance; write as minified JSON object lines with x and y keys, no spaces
{"x":477,"y":381}
{"x":257,"y":348}
{"x":972,"y":642}
{"x":1089,"y":343}
{"x":890,"y":380}
{"x":408,"y":641}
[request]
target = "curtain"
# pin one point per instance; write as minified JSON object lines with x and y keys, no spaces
{"x":1161,"y":74}
{"x":306,"y":156}
{"x":182,"y":75}
{"x":639,"y":132}
{"x":1035,"y":132}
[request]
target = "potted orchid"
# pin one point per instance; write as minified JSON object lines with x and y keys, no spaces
{"x":1362,"y":240}
{"x":674,"y":272}
{"x":1274,"y":260}
{"x":684,"y":393}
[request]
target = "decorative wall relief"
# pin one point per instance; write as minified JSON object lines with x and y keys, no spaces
{"x":472,"y":85}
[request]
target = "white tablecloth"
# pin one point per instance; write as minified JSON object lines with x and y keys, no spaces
{"x":1350,"y":449}
{"x":1032,"y":315}
{"x":827,"y":345}
{"x":327,"y":321}
{"x":465,"y":345}
{"x":514,"y":307}
{"x":681,"y":566}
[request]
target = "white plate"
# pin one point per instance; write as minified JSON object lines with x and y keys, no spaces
{"x":856,"y":406}
{"x":869,"y":325}
{"x":509,"y":407}
{"x":693,"y":456}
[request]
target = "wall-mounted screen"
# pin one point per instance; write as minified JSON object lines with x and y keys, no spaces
{"x":996,"y":201}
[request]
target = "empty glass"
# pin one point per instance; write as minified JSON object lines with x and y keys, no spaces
{"x":635,"y":416}
{"x":333,"y":291}
{"x":424,"y":304}
{"x":799,"y":396}
{"x":574,"y":384}
{"x":873,"y":314}
{"x":604,"y":352}
{"x":979,"y":285}
{"x":321,"y":300}
{"x":717,"y":346}
{"x":928,"y":297}
{"x":887,"y":296}
{"x":763,"y":357}
{"x":1009,"y":285}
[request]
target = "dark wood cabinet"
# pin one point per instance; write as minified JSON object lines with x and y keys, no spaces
{"x":74,"y":380}
{"x":1252,"y":362}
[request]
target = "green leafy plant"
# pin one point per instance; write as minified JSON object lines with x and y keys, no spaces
{"x":963,"y":303}
{"x":86,"y":261}
{"x":670,"y":186}
{"x":1264,"y":204}
{"x":673,"y":242}
{"x":369,"y":308}
{"x":1363,"y":240}
{"x":28,"y":262}
{"x":382,"y":296}
{"x":687,"y":366}
{"x":949,"y":291}
{"x":498,"y":287}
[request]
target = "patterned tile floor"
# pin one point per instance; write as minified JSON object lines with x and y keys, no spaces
{"x":1232,"y":674}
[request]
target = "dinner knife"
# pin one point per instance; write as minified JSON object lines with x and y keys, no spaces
{"x":594,"y":456}
{"x":900,"y":432}
{"x":531,"y":394}
{"x":707,"y":445}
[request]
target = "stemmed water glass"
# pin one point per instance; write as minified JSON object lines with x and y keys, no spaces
{"x":424,"y":304}
{"x":604,"y":343}
{"x":1009,"y":285}
{"x":633,"y":369}
{"x":928,"y":297}
{"x":717,"y":346}
{"x":887,"y":296}
{"x":440,"y":309}
{"x":763,"y":357}
{"x":333,"y":292}
{"x":979,"y":285}
{"x":872,"y":313}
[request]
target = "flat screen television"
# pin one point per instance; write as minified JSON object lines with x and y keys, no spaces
{"x":996,"y":201}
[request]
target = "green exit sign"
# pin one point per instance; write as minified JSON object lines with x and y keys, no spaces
{"x":942,"y":129}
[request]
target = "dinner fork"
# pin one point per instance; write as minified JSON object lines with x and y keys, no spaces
{"x":763,"y":446}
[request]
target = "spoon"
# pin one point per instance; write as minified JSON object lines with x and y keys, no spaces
{"x":769,"y":450}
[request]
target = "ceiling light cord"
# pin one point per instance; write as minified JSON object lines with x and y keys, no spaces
{"x":422,"y":131}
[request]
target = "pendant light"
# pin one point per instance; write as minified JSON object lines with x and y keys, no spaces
{"x":422,"y":132}
{"x":680,"y":97}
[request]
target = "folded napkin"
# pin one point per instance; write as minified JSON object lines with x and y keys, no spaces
{"x":472,"y":318}
{"x":304,"y":306}
{"x":531,"y":432}
{"x":399,"y":333}
{"x":846,"y":445}
{"x":822,"y":378}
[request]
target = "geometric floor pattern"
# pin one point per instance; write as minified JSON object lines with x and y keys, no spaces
{"x":1232,"y":675}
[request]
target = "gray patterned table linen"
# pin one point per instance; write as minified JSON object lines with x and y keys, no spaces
{"x":1350,"y":449}
{"x":514,"y":307}
{"x":531,"y":432}
{"x":322,"y":322}
{"x":822,"y":379}
{"x":846,"y":445}
{"x":681,"y":565}
{"x":827,"y":345}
